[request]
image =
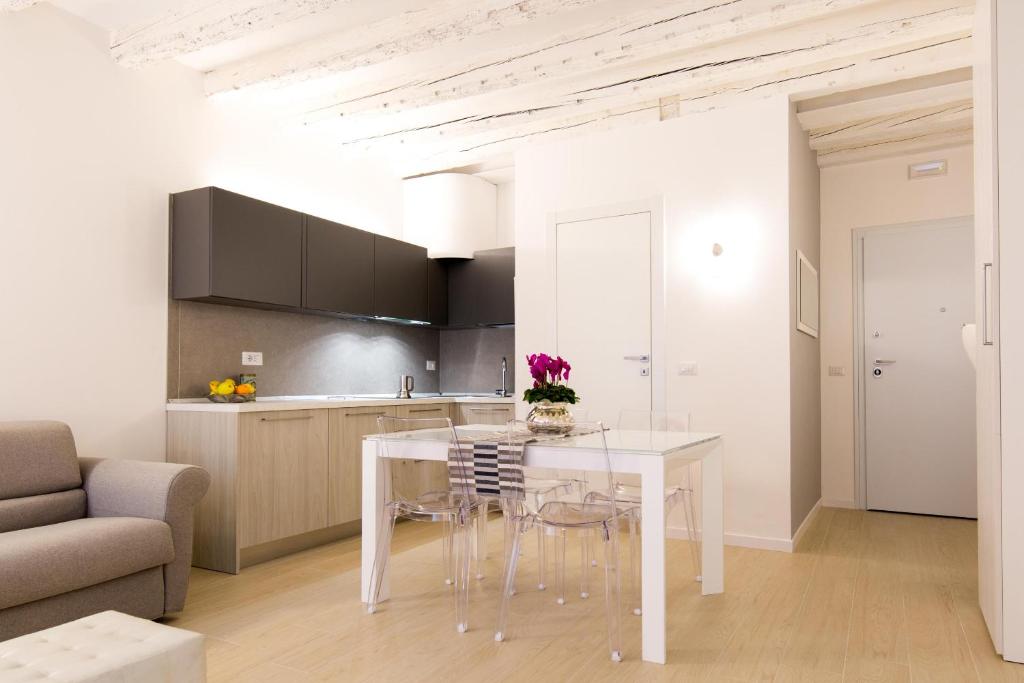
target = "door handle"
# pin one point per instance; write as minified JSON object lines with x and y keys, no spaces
{"x":286,"y":419}
{"x":882,"y":361}
{"x":986,"y":296}
{"x":641,"y":359}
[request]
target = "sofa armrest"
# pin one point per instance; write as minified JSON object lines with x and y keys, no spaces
{"x":154,"y":490}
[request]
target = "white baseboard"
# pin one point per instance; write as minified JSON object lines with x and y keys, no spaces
{"x":804,"y":525}
{"x":757,"y":542}
{"x":838,"y":503}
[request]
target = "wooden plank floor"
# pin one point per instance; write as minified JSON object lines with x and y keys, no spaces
{"x":867,"y":597}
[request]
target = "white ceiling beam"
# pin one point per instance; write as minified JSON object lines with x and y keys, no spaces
{"x":791,"y":60}
{"x":903,"y":125}
{"x":647,"y":34}
{"x":441,"y":153}
{"x":200,"y":24}
{"x":900,"y":146}
{"x":431,"y":25}
{"x":15,"y":5}
{"x":886,"y":105}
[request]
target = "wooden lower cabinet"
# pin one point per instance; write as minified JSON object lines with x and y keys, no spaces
{"x":282,"y":474}
{"x":413,"y":477}
{"x":348,"y":426}
{"x":483,"y":413}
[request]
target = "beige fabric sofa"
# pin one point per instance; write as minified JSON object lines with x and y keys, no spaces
{"x":84,"y":535}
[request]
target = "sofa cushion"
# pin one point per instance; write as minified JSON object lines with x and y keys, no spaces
{"x":50,"y":560}
{"x":49,"y":508}
{"x":37,"y":457}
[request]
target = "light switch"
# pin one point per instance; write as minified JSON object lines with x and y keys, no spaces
{"x":688,"y":369}
{"x":252,"y":358}
{"x":431,"y":365}
{"x":836,"y":371}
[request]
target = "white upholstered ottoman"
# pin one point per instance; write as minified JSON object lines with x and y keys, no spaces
{"x":108,"y":647}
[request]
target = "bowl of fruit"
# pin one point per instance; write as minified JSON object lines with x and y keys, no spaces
{"x":230,"y":391}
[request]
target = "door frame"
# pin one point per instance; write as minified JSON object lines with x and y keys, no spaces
{"x":859,"y":363}
{"x":655,"y":207}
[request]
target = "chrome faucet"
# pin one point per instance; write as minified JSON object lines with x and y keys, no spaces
{"x":504,"y":373}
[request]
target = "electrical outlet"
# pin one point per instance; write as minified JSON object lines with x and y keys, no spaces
{"x":431,"y":365}
{"x":688,"y":369}
{"x":836,"y":371}
{"x":252,"y":358}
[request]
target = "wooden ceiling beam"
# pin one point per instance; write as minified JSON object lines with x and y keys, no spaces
{"x":831,"y":60}
{"x":649,"y":33}
{"x":15,"y":5}
{"x":899,"y":146}
{"x":430,"y":25}
{"x":883,"y":106}
{"x":204,"y":23}
{"x":907,"y":124}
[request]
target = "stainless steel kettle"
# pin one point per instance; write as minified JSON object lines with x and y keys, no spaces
{"x":406,"y":386}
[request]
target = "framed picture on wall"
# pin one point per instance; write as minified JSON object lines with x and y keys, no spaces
{"x":806,"y":296}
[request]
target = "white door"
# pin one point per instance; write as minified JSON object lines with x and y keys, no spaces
{"x":603,"y":283}
{"x":919,"y":384}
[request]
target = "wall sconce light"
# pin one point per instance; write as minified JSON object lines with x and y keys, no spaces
{"x":716,"y":249}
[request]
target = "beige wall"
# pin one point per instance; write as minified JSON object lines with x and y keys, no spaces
{"x":90,"y":153}
{"x":854,"y":196}
{"x":804,"y":356}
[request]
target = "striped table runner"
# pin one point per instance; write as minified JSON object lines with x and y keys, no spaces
{"x":491,"y":463}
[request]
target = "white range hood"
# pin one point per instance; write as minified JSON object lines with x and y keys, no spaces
{"x":451,"y":214}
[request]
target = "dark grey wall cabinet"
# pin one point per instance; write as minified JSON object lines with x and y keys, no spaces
{"x":481,"y":290}
{"x":399,"y":279}
{"x":437,"y":292}
{"x":229,"y":247}
{"x":339,"y":268}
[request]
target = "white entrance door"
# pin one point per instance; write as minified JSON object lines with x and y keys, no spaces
{"x":603,"y":281}
{"x":919,"y":384}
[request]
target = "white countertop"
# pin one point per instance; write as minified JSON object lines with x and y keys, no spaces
{"x":270,"y":403}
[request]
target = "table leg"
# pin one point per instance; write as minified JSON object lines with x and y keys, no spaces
{"x":652,"y":489}
{"x":374,"y":478}
{"x":712,"y":513}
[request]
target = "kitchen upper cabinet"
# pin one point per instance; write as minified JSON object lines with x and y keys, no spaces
{"x":339,"y":268}
{"x":227,"y":248}
{"x":481,"y":290}
{"x":437,"y":292}
{"x":345,"y":473}
{"x":399,"y":279}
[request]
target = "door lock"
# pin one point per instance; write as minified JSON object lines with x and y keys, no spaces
{"x":877,"y":372}
{"x":645,"y":372}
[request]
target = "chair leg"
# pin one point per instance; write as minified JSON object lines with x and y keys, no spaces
{"x":508,"y":580}
{"x":584,"y":564}
{"x":691,"y":531}
{"x":463,"y":542}
{"x":541,"y":559}
{"x":634,"y":563}
{"x":380,"y":560}
{"x":481,"y":539}
{"x":560,"y":566}
{"x":447,"y":550}
{"x":611,"y":592}
{"x":508,"y":517}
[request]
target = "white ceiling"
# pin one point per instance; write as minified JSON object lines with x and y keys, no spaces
{"x":461,"y":83}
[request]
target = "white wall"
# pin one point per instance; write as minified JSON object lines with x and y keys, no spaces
{"x":723,"y":178}
{"x":855,"y":196}
{"x":804,"y":350}
{"x":89,"y":154}
{"x":506,"y":214}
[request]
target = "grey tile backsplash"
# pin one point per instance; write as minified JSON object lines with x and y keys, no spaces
{"x":312,"y":355}
{"x":471,"y":359}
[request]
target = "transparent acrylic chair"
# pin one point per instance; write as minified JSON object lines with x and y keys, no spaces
{"x":416,"y":492}
{"x":627,"y":494}
{"x":557,"y":518}
{"x":544,"y":486}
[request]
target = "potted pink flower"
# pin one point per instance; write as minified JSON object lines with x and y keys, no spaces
{"x":549,"y":395}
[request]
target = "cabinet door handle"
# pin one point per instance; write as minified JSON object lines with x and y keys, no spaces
{"x":286,"y":419}
{"x":424,"y":410}
{"x":364,"y":414}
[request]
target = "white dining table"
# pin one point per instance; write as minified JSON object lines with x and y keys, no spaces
{"x":654,"y":455}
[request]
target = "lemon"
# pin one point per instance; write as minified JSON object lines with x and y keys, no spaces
{"x":226,"y":388}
